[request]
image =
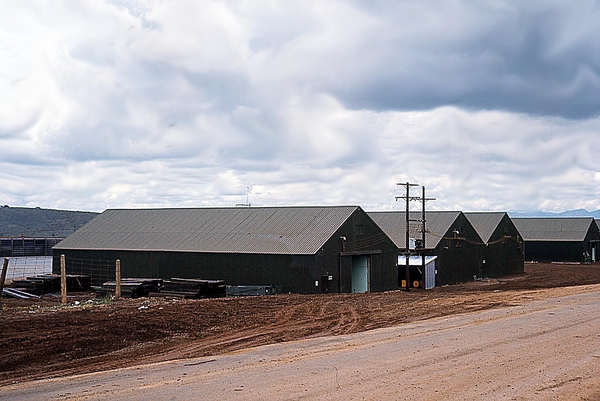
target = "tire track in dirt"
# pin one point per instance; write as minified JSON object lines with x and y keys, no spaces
{"x":43,"y":339}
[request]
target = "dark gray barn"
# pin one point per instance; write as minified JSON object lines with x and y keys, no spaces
{"x":559,"y":239}
{"x":502,"y":254}
{"x":449,"y":236}
{"x":302,"y":249}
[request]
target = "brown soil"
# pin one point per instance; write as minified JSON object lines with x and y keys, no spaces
{"x":42,"y":338}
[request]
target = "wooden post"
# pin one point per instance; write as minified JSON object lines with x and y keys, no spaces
{"x":3,"y":278}
{"x":118,"y":280}
{"x":63,"y":279}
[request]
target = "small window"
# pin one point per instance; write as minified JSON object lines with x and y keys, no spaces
{"x":359,"y":229}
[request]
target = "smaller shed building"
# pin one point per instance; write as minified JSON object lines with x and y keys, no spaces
{"x":559,"y":239}
{"x":301,"y":249}
{"x":423,"y":266}
{"x":449,"y":236}
{"x":502,"y":254}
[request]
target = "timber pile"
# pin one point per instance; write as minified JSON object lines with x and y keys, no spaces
{"x":48,"y":283}
{"x":253,"y":290}
{"x":192,"y":288}
{"x":131,"y":287}
{"x":157,"y":287}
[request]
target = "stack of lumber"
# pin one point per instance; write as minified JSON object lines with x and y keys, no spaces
{"x":253,"y":290}
{"x":131,"y":287}
{"x":192,"y":288}
{"x":48,"y":283}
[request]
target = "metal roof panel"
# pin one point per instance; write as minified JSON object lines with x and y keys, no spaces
{"x":553,"y":228}
{"x":485,"y":223}
{"x":273,"y":230}
{"x":394,"y":225}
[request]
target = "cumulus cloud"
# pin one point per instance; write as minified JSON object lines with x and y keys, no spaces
{"x":490,"y":105}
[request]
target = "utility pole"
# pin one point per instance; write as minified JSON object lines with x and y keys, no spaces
{"x":407,"y":198}
{"x":423,"y":199}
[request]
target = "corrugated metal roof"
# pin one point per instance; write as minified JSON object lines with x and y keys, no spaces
{"x":553,"y":228}
{"x":485,"y":223}
{"x":270,"y":230}
{"x":394,"y":225}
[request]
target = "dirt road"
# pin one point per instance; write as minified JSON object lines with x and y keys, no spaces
{"x":533,"y":350}
{"x":43,"y":339}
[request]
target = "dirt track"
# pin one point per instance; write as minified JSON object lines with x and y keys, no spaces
{"x":539,"y":350}
{"x":43,"y":339}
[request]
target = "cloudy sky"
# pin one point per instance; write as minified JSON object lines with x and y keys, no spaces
{"x":491,"y":105}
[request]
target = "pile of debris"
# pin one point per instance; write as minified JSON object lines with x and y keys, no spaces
{"x":14,"y":293}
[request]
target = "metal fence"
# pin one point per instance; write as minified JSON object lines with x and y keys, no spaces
{"x":27,"y":266}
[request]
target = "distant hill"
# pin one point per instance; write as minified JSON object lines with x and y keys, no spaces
{"x":569,"y":213}
{"x":37,"y":222}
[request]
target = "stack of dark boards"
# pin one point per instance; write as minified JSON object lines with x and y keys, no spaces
{"x":156,"y":287}
{"x":193,"y":288}
{"x":49,"y":283}
{"x":131,"y":287}
{"x":253,"y":290}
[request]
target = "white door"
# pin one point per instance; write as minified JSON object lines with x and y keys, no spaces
{"x":360,"y":274}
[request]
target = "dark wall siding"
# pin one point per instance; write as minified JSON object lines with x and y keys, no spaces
{"x":554,"y":251}
{"x":593,"y":234}
{"x":503,"y":258}
{"x":346,"y":262}
{"x":458,"y":260}
{"x":290,"y":271}
{"x":140,"y":264}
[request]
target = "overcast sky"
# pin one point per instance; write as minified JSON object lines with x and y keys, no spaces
{"x":492,"y":105}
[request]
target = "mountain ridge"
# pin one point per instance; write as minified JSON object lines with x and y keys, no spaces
{"x":568,"y":213}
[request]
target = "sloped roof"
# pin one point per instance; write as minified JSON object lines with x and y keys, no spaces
{"x":394,"y":225}
{"x":38,"y":222}
{"x":485,"y":223}
{"x":267,"y":230}
{"x":553,"y":228}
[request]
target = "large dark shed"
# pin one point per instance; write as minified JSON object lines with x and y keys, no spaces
{"x":302,"y":249}
{"x":559,"y":239}
{"x":502,"y":254}
{"x":449,"y":236}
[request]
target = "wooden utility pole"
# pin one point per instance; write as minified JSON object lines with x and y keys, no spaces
{"x":423,"y":199}
{"x":407,"y":198}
